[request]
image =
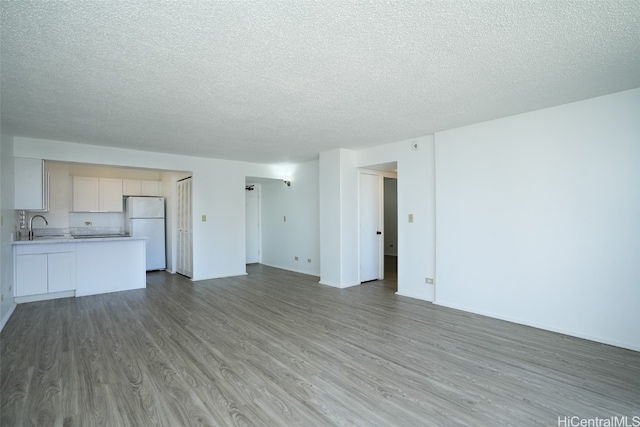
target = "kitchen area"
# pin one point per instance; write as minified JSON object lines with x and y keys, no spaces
{"x":87,"y":229}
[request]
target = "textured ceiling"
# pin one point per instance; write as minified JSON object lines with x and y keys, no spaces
{"x":282,"y":80}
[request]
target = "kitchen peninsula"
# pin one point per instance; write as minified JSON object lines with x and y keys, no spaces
{"x":63,"y":266}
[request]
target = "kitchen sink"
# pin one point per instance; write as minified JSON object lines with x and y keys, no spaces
{"x":50,"y":237}
{"x":97,"y":236}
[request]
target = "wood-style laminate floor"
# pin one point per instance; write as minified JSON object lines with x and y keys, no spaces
{"x":275,"y":348}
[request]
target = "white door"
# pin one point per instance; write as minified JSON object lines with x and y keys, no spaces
{"x":184,"y":263}
{"x":371,"y":239}
{"x":252,"y":216}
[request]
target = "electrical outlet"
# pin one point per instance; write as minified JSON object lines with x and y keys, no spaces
{"x":296,"y":258}
{"x":204,"y":218}
{"x":285,"y":218}
{"x":428,"y":281}
{"x":410,"y":217}
{"x":308,"y":259}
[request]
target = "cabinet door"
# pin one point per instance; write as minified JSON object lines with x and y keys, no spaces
{"x":150,"y":188}
{"x":31,"y":189}
{"x":131,"y":187}
{"x":61,"y":270}
{"x":31,"y":274}
{"x":111,"y":195}
{"x":85,"y":194}
{"x":184,"y":263}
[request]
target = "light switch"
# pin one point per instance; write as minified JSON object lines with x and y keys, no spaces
{"x":410,"y":217}
{"x":204,"y":218}
{"x":285,"y":218}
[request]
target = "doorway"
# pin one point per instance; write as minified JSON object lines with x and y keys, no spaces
{"x":390,"y":194}
{"x":378,"y":222}
{"x":253,"y":232}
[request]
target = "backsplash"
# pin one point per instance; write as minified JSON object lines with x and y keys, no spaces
{"x":96,"y":219}
{"x":95,"y":230}
{"x":96,"y":223}
{"x":82,"y":223}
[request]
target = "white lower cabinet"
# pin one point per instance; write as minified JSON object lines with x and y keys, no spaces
{"x":45,"y":269}
{"x":61,"y":269}
{"x":31,"y":275}
{"x":89,"y":267}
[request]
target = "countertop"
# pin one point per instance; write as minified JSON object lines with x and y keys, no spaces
{"x":71,"y":239}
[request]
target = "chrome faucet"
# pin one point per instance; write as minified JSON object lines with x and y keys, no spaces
{"x":31,"y":225}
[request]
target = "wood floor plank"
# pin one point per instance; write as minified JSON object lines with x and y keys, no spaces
{"x":276,"y":348}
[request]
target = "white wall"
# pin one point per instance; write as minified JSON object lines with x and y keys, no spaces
{"x":538,"y":218}
{"x":416,"y":240}
{"x":300,"y":234}
{"x":339,"y":213}
{"x":8,"y":219}
{"x":339,"y":218}
{"x":330,"y":218}
{"x":218,"y":193}
{"x":416,"y":186}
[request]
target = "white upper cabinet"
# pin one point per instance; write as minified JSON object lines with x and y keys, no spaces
{"x":111,"y":195}
{"x":131,"y":187}
{"x":31,"y":185}
{"x":85,"y":194}
{"x":150,"y":188}
{"x":97,"y":194}
{"x":136,"y":187}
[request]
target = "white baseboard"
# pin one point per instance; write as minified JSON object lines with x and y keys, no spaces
{"x":340,"y":286}
{"x":289,"y":269}
{"x":414,"y":296}
{"x":6,"y":317}
{"x":614,"y":343}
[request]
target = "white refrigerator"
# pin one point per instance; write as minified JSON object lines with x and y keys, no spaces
{"x":145,"y":218}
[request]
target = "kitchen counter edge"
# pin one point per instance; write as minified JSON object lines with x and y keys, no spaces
{"x":48,"y":240}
